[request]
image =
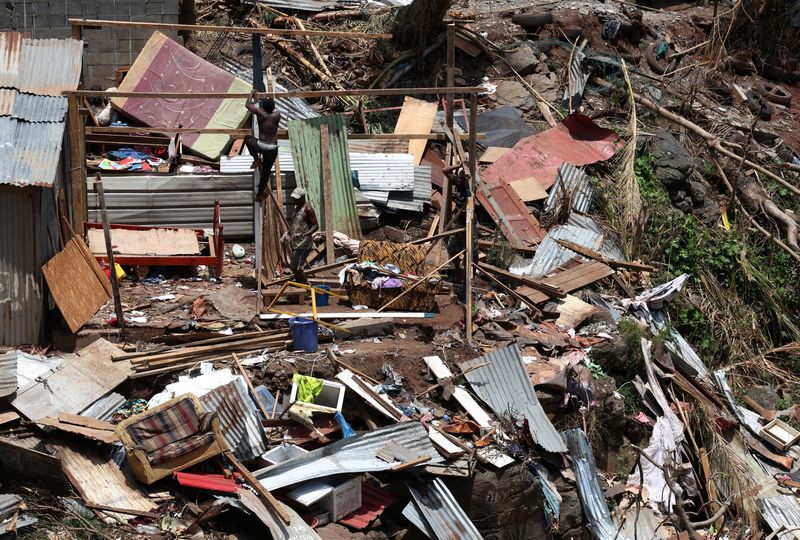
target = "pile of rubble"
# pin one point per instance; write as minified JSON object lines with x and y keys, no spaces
{"x":554,"y":327}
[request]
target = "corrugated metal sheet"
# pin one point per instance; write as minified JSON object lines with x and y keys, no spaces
{"x":7,"y":98}
{"x":105,"y":407}
{"x":24,"y":248}
{"x":33,"y":108}
{"x":177,"y":201}
{"x":781,"y":511}
{"x":29,"y":152}
{"x":351,"y":455}
{"x":680,"y":350}
{"x":384,"y":172}
{"x":413,"y":201}
{"x":8,"y":373}
{"x":574,"y":181}
{"x":49,"y":66}
{"x":302,"y":5}
{"x":373,"y":502}
{"x":238,"y":418}
{"x":442,"y":514}
{"x":290,"y":108}
{"x":10,"y":44}
{"x":8,"y":504}
{"x":593,"y":500}
{"x":504,"y":385}
{"x":306,"y":153}
{"x":577,"y":82}
{"x":550,"y":254}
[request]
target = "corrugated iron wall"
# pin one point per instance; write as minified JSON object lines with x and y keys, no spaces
{"x":28,"y":237}
{"x":178,"y":200}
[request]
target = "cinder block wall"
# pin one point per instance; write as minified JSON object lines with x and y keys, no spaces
{"x":105,"y":48}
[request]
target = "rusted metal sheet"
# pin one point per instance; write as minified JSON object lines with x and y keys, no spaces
{"x":10,"y":44}
{"x":47,"y":67}
{"x":577,"y":141}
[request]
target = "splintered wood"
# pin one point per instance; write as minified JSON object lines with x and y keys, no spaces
{"x":76,"y":287}
{"x":146,"y":242}
{"x":416,"y":116}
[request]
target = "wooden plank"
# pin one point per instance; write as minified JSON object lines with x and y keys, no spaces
{"x":327,"y":192}
{"x":464,"y":398}
{"x":385,"y":148}
{"x":8,"y":417}
{"x":473,"y":175}
{"x":265,"y":496}
{"x":147,"y":242}
{"x":101,"y":435}
{"x":492,"y":154}
{"x":416,"y":116}
{"x":85,"y":421}
{"x":592,"y":254}
{"x":528,"y":189}
{"x":102,"y":23}
{"x":534,"y":283}
{"x":77,"y":159}
{"x":75,"y":287}
{"x":276,"y":95}
{"x":569,"y":280}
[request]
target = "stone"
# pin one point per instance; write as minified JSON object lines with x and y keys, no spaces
{"x":571,"y":522}
{"x":507,"y":503}
{"x":524,"y":60}
{"x":364,"y":328}
{"x":673,"y":162}
{"x":546,"y":84}
{"x":514,"y":94}
{"x":765,"y":396}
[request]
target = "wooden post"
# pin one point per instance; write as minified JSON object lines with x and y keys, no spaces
{"x":447,"y":189}
{"x":327,"y":196}
{"x":77,"y":164}
{"x":101,"y":198}
{"x":266,"y":496}
{"x":473,"y":172}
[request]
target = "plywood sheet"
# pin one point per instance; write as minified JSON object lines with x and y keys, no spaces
{"x":492,"y":154}
{"x":147,"y":242}
{"x":76,"y":383}
{"x":416,"y":116}
{"x":75,"y":286}
{"x":528,"y":189}
{"x":99,"y":480}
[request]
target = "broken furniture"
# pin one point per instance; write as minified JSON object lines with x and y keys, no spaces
{"x":410,"y":260}
{"x":156,"y":246}
{"x":170,"y":437}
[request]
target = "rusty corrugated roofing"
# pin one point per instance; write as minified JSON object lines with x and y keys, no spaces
{"x":7,"y":98}
{"x":10,"y":43}
{"x":33,"y":108}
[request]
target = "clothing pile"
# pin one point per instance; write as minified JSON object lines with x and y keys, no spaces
{"x":128,"y":159}
{"x":378,"y":277}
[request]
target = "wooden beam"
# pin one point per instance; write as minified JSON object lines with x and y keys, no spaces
{"x":277,"y":95}
{"x":613,"y":263}
{"x":263,"y":493}
{"x":101,"y":198}
{"x":533,"y":283}
{"x":102,"y":23}
{"x":282,"y":133}
{"x":77,"y":165}
{"x":327,"y":195}
{"x":469,"y":271}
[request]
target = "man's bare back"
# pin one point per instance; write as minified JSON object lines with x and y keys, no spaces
{"x":268,"y":120}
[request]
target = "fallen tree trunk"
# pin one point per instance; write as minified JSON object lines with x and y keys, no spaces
{"x":711,"y":140}
{"x":756,"y":199}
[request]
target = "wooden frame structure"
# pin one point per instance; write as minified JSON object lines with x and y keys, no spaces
{"x":77,"y":134}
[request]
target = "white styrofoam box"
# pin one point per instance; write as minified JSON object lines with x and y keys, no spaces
{"x":329,"y":400}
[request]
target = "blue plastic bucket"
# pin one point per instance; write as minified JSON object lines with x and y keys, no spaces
{"x":305,"y":334}
{"x":321,"y":298}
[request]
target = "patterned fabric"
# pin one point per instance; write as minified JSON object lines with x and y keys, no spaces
{"x":164,"y":434}
{"x":408,"y":257}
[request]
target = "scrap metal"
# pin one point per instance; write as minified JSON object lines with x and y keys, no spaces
{"x":504,"y":384}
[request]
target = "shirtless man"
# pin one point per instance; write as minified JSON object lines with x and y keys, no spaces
{"x":264,"y":149}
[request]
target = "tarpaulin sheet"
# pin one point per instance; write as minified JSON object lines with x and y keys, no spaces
{"x":577,"y":141}
{"x":166,"y":66}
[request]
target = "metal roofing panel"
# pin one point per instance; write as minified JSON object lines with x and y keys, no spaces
{"x":8,"y":373}
{"x":593,"y":500}
{"x":351,"y":455}
{"x":373,"y":502}
{"x":7,"y":98}
{"x":442,"y":514}
{"x":550,"y":254}
{"x":10,"y":44}
{"x":49,"y":66}
{"x":574,"y":181}
{"x":679,"y":348}
{"x":297,"y":529}
{"x":33,"y":108}
{"x":238,"y":418}
{"x":105,"y":407}
{"x":29,"y":152}
{"x":9,"y":503}
{"x":306,"y":154}
{"x":504,"y":384}
{"x":781,"y":511}
{"x":384,"y":172}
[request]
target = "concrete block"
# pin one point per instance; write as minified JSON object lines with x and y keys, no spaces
{"x":107,"y":10}
{"x":137,"y":10}
{"x":365,"y":328}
